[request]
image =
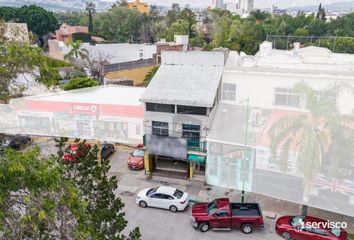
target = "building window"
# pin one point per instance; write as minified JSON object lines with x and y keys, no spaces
{"x":160,"y":128}
{"x":156,"y":107}
{"x":192,"y":132}
{"x":329,"y":97}
{"x":181,"y":109}
{"x":287,"y":97}
{"x":229,"y":91}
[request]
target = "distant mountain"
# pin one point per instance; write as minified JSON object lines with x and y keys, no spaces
{"x":338,"y":6}
{"x":58,"y":6}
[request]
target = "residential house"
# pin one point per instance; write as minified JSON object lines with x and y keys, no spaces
{"x":140,"y":6}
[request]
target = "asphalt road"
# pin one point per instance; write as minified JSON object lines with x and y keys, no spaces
{"x":158,"y":224}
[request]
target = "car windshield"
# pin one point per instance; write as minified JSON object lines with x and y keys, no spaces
{"x":336,"y":231}
{"x":138,"y":153}
{"x":297,"y":221}
{"x":211,"y":207}
{"x":151,"y":191}
{"x":178,"y":194}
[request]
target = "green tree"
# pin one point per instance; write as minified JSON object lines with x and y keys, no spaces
{"x":90,"y":8}
{"x":150,"y":75}
{"x":39,"y":20}
{"x":107,"y":219}
{"x":308,"y":134}
{"x":77,"y":53}
{"x":36,"y":202}
{"x":77,"y":83}
{"x":8,"y":13}
{"x":20,"y":59}
{"x":119,"y":24}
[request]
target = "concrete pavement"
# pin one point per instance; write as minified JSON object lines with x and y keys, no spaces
{"x":156,"y":224}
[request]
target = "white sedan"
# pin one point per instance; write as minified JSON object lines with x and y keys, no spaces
{"x":163,"y":197}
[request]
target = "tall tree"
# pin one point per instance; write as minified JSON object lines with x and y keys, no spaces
{"x":39,"y":20}
{"x":90,"y":8}
{"x":107,"y":219}
{"x":23,"y":59}
{"x":77,"y":53}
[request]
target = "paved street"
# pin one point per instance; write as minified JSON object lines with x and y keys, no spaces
{"x":156,"y":224}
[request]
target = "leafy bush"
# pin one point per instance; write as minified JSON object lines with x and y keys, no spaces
{"x":79,"y":83}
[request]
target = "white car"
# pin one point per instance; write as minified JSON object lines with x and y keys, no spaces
{"x":163,"y":197}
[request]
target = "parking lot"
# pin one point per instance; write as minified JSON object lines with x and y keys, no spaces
{"x":156,"y":224}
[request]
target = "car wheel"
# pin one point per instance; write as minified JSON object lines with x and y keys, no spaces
{"x":247,"y":228}
{"x":143,"y":204}
{"x":173,"y":209}
{"x":203,"y":227}
{"x":286,"y":235}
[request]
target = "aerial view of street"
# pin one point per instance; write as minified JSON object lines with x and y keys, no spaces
{"x":178,"y":120}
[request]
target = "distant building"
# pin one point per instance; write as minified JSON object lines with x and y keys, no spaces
{"x":278,"y":11}
{"x":218,"y":4}
{"x":245,"y":6}
{"x":140,"y":6}
{"x":16,"y":32}
{"x":65,"y":32}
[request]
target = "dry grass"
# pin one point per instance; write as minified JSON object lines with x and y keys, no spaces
{"x":136,"y":74}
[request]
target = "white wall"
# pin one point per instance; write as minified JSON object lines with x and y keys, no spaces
{"x":260,"y":88}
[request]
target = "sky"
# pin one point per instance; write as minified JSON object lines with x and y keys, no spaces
{"x":258,"y":3}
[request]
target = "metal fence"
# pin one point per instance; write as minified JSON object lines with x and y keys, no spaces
{"x":333,"y":43}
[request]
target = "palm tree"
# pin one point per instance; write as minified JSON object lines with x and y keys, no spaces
{"x":76,"y":51}
{"x":90,"y":8}
{"x":308,"y":134}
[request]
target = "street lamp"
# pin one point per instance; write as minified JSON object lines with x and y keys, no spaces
{"x":245,"y":148}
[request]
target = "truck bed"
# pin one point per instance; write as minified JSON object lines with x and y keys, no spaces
{"x":245,"y":209}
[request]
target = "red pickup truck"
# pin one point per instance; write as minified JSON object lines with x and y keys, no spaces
{"x":220,"y":214}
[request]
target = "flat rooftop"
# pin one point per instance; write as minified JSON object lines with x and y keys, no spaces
{"x":311,"y":60}
{"x":186,"y":78}
{"x":110,"y":94}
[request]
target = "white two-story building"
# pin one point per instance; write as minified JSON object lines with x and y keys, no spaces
{"x":256,"y":92}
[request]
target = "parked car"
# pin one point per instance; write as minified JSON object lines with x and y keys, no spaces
{"x":163,"y":197}
{"x":106,"y":150}
{"x":296,"y":228}
{"x":74,"y":151}
{"x":136,"y":158}
{"x":16,"y":142}
{"x":220,"y":214}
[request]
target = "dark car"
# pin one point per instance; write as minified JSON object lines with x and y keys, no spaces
{"x":106,"y":150}
{"x":222,"y":214}
{"x":16,"y":142}
{"x":301,"y":228}
{"x":75,"y":150}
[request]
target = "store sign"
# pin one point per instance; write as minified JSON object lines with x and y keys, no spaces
{"x":84,"y":108}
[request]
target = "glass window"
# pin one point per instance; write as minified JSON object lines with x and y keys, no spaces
{"x":229,"y":91}
{"x":138,"y":153}
{"x":336,"y":231}
{"x":286,"y":97}
{"x":181,"y":109}
{"x":192,"y":132}
{"x":160,"y":128}
{"x":156,"y":107}
{"x":297,"y":221}
{"x":221,"y":213}
{"x":151,"y":191}
{"x":319,"y":231}
{"x":178,"y":194}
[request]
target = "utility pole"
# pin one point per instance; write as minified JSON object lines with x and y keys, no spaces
{"x":245,"y":151}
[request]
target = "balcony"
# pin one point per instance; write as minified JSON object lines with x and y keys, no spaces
{"x":196,"y":145}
